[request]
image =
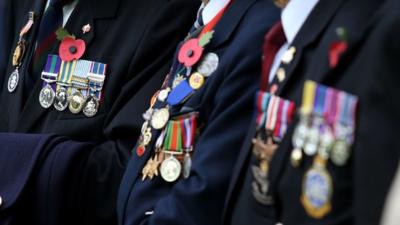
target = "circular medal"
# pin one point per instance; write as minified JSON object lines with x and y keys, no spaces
{"x":61,"y":99}
{"x":159,"y":118}
{"x":91,"y":107}
{"x":76,"y":103}
{"x":317,"y":191}
{"x":196,"y":81}
{"x":187,"y":165}
{"x":163,"y":94}
{"x":326,"y":142}
{"x":13,"y":81}
{"x":46,"y":96}
{"x":209,"y":64}
{"x":311,"y":146}
{"x":170,"y":169}
{"x":340,"y":153}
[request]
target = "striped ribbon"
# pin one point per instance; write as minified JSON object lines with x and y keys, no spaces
{"x":96,"y":79}
{"x":51,"y":70}
{"x":65,"y":75}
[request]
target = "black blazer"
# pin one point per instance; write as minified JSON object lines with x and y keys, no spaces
{"x":224,"y":104}
{"x":311,"y":62}
{"x":6,"y":27}
{"x":136,"y":39}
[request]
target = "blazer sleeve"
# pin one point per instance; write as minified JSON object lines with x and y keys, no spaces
{"x":84,"y":190}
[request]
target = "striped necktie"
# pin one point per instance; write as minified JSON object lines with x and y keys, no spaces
{"x":51,"y":21}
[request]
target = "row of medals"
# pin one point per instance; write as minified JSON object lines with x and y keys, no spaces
{"x":171,"y":168}
{"x":75,"y":102}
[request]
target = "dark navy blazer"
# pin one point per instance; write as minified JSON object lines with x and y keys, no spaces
{"x":225,"y":105}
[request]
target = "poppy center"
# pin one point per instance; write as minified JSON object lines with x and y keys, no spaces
{"x":73,"y":49}
{"x":190,"y":53}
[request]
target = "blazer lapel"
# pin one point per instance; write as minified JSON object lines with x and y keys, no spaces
{"x":229,"y":21}
{"x":313,"y":27}
{"x":85,"y":13}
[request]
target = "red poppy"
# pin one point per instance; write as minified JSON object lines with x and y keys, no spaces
{"x":190,"y":52}
{"x":336,"y":49}
{"x":71,"y":49}
{"x":140,"y":150}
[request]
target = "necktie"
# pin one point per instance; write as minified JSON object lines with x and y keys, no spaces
{"x":51,"y":21}
{"x":273,"y":41}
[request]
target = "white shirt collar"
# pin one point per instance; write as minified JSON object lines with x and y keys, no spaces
{"x":212,"y":9}
{"x":67,"y":10}
{"x":294,"y":15}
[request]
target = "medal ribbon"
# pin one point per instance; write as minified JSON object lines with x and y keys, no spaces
{"x":308,"y":98}
{"x":80,"y":77}
{"x":96,"y":78}
{"x":263,"y":99}
{"x":279,"y":117}
{"x":65,"y":76}
{"x":173,"y":138}
{"x":51,"y":70}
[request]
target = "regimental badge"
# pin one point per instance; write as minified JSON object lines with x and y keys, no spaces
{"x":317,"y":190}
{"x":274,"y":114}
{"x":326,"y":133}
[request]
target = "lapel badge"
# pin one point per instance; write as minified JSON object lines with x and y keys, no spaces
{"x":338,"y":47}
{"x":289,"y":55}
{"x":86,"y":28}
{"x":281,"y":74}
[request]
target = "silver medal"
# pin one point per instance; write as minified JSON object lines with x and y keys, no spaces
{"x":61,"y":99}
{"x":91,"y":107}
{"x":340,"y":153}
{"x":170,"y":169}
{"x":326,"y":142}
{"x":208,"y":65}
{"x":13,"y":81}
{"x":46,"y":96}
{"x":187,"y":165}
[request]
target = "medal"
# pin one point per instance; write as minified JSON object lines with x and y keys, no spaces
{"x":49,"y":77}
{"x":96,"y":78}
{"x":61,"y":99}
{"x":18,"y":54}
{"x":289,"y":55}
{"x":170,"y":169}
{"x":208,"y":65}
{"x":91,"y":107}
{"x":187,"y":165}
{"x":80,"y":86}
{"x":13,"y":81}
{"x":159,"y":118}
{"x":46,"y":96}
{"x":317,"y":190}
{"x":151,"y":169}
{"x":76,"y":103}
{"x":163,"y":94}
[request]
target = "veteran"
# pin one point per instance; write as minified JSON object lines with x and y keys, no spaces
{"x":77,"y":78}
{"x":180,"y":171}
{"x":312,"y":168}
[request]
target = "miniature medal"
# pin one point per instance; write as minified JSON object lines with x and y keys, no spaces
{"x":170,"y":169}
{"x":13,"y":81}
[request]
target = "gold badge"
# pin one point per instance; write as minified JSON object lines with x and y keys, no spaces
{"x":196,"y":81}
{"x":76,"y":103}
{"x":317,"y":190}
